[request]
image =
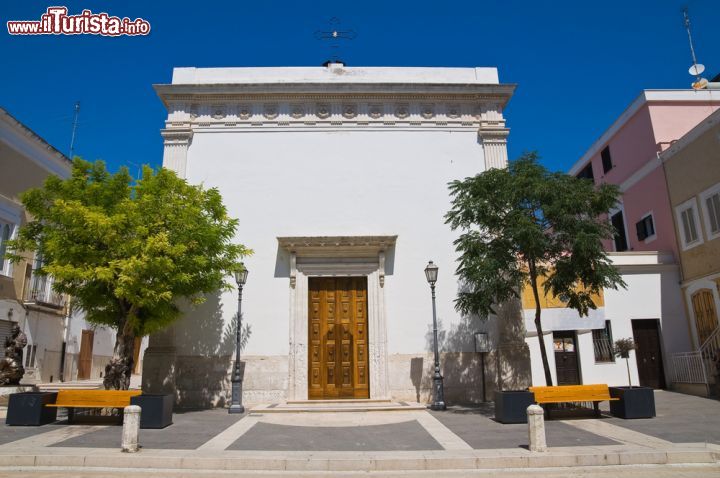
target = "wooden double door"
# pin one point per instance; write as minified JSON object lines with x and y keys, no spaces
{"x":338,"y":344}
{"x":648,"y":353}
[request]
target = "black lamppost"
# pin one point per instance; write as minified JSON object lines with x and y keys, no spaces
{"x":236,"y":399}
{"x":431,"y":272}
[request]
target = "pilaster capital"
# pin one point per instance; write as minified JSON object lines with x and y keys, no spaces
{"x":493,"y":133}
{"x":494,"y":141}
{"x":177,"y":136}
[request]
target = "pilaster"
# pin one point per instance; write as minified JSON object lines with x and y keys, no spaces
{"x":176,"y":142}
{"x":493,"y":135}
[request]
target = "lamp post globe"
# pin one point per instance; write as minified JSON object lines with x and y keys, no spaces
{"x":438,"y":403}
{"x":236,"y":405}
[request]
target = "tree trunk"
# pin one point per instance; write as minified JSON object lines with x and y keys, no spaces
{"x":118,"y":371}
{"x":627,"y":363}
{"x":538,"y":325}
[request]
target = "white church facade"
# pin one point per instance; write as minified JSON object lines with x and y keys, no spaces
{"x":338,"y":176}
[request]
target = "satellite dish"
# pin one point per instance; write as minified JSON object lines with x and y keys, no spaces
{"x":700,"y":84}
{"x":697,"y":69}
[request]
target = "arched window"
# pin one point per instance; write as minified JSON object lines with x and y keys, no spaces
{"x":706,"y":320}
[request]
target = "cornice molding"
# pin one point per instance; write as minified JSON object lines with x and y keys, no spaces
{"x":336,"y":246}
{"x":316,"y":91}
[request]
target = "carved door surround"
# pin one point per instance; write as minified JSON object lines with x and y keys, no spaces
{"x":337,"y":256}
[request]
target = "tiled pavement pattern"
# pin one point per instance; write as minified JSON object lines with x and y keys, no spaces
{"x":11,"y":434}
{"x":189,"y":431}
{"x":681,"y":419}
{"x":481,"y":432}
{"x":405,"y":436}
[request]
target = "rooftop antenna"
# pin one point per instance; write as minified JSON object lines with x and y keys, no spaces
{"x":697,"y":68}
{"x":74,"y":129}
{"x":334,"y":35}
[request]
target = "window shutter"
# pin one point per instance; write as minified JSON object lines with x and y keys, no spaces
{"x":606,"y":159}
{"x":641,"y":232}
{"x":713,"y":207}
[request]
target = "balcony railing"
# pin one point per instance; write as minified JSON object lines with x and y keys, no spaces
{"x":39,"y":291}
{"x":689,"y":367}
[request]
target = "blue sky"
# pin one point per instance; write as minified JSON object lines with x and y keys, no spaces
{"x":577,"y":64}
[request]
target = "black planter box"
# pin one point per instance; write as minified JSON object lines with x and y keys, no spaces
{"x":635,"y":402}
{"x":511,"y":406}
{"x":157,"y":410}
{"x":28,"y":408}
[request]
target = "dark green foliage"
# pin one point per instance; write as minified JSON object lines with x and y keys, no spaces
{"x":623,"y":347}
{"x":622,"y":350}
{"x":524,"y":223}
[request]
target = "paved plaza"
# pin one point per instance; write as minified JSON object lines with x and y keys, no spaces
{"x":686,"y":430}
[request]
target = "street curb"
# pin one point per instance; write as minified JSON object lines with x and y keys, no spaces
{"x":474,"y":460}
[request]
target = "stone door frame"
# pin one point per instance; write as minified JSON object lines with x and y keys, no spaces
{"x":351,"y":256}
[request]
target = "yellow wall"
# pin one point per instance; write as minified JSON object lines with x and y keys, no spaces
{"x":689,"y":172}
{"x":552,"y":302}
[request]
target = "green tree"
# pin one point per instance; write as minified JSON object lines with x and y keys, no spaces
{"x":525,"y":225}
{"x":127,"y":251}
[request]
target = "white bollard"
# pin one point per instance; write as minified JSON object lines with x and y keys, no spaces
{"x":131,"y":427}
{"x":536,"y":428}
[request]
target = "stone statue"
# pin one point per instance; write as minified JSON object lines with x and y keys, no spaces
{"x":11,"y":367}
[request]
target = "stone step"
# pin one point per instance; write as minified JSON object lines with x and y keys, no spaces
{"x":333,"y":463}
{"x":328,"y":406}
{"x":346,"y":400}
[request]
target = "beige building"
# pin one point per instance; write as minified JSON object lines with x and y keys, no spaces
{"x":27,"y":298}
{"x":692,"y":166}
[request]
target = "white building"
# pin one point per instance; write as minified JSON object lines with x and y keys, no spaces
{"x":338,"y":176}
{"x":649,"y":311}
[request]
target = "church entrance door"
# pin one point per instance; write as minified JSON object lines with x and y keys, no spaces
{"x":337,"y":342}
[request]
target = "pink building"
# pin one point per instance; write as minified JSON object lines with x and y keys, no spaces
{"x":627,"y":155}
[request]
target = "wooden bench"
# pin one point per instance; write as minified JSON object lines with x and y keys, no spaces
{"x":573,"y":393}
{"x":72,"y":399}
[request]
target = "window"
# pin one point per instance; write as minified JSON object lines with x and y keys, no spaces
{"x":586,"y":173}
{"x":689,"y":226}
{"x":710,"y":202}
{"x":30,"y":351}
{"x":603,"y":344}
{"x":618,"y":223}
{"x":606,"y":159}
{"x":688,"y":221}
{"x":6,"y":232}
{"x":645,"y":228}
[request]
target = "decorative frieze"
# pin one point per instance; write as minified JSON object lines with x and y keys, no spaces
{"x":471,"y":114}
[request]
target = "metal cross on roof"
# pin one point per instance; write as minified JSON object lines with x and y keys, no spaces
{"x":334,"y":35}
